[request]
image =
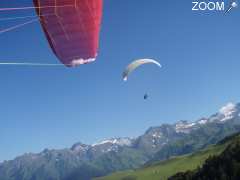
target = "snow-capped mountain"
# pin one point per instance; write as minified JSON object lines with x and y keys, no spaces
{"x":102,"y":147}
{"x":229,"y":111}
{"x":80,"y":147}
{"x":83,"y":161}
{"x":115,"y":141}
{"x":226,"y":113}
{"x":156,"y":138}
{"x":184,"y":126}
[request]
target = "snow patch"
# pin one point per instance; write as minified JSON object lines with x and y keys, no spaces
{"x":119,"y":141}
{"x":184,"y":127}
{"x":202,"y":121}
{"x":79,"y":147}
{"x":228,"y":111}
{"x":157,"y":135}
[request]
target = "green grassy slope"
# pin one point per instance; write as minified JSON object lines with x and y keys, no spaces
{"x":165,"y":169}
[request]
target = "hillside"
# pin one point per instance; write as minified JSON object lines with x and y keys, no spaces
{"x":222,"y":167}
{"x":165,"y":169}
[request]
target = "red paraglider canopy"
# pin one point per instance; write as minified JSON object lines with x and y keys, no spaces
{"x":72,"y":28}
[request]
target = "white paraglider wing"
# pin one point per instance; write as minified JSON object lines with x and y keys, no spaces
{"x":135,"y":64}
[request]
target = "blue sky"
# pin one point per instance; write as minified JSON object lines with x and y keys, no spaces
{"x":44,"y":107}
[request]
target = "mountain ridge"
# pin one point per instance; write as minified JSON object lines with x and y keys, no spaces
{"x":176,"y":165}
{"x":157,"y":143}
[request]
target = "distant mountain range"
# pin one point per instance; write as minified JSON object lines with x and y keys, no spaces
{"x":82,"y":162}
{"x":220,"y":162}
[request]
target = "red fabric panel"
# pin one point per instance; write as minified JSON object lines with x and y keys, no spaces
{"x":72,"y":28}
